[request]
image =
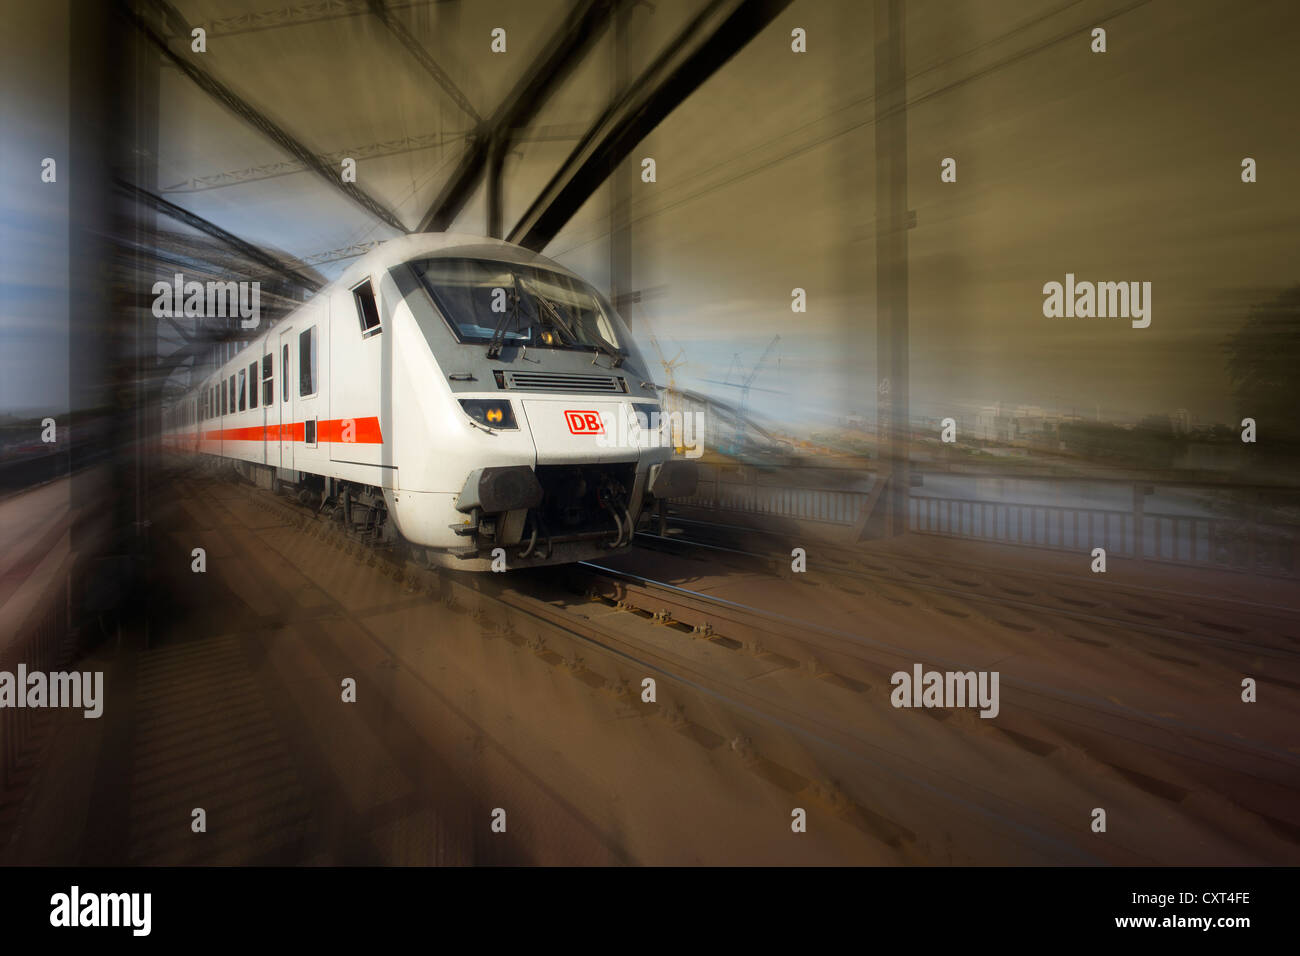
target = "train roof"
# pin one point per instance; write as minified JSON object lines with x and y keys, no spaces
{"x":394,"y":252}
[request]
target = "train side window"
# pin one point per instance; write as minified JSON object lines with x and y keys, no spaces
{"x":230,"y":387}
{"x":252,"y":385}
{"x":240,"y":391}
{"x":367,"y":309}
{"x":268,"y":379}
{"x":225,"y":393}
{"x":307,"y":362}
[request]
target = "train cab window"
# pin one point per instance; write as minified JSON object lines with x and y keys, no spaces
{"x":252,"y":385}
{"x":367,"y":309}
{"x":284,"y":373}
{"x":543,"y":308}
{"x":268,"y":382}
{"x":239,"y":390}
{"x":307,"y":362}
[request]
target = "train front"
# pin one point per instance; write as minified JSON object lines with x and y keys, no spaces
{"x":541,"y":438}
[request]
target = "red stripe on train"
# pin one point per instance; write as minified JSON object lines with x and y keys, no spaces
{"x":347,"y":431}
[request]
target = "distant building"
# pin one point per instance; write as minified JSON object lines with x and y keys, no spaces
{"x":1018,"y":424}
{"x":1181,"y":419}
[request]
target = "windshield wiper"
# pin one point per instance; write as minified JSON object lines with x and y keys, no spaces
{"x":552,"y":310}
{"x":499,"y":333}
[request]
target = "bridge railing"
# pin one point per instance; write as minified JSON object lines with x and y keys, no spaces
{"x":1243,"y":543}
{"x":41,"y":642}
{"x":1236,"y":544}
{"x":740,"y":491}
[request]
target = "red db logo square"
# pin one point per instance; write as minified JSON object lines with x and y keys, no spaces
{"x":584,"y":423}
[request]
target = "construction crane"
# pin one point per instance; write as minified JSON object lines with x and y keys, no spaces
{"x":745,"y":387}
{"x":758,"y":367}
{"x":670,"y":368}
{"x":672,"y":398}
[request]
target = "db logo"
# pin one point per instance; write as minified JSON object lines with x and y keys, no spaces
{"x":584,"y":423}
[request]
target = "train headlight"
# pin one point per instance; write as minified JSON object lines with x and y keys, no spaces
{"x":492,"y":412}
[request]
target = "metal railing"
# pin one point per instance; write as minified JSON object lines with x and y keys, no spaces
{"x":743,"y":494}
{"x":43,"y":644}
{"x":1243,"y":545}
{"x":1212,"y":541}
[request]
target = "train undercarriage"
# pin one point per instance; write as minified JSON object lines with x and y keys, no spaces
{"x":513,"y":517}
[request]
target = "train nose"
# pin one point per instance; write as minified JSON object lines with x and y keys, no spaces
{"x":579,"y":430}
{"x":500,"y":488}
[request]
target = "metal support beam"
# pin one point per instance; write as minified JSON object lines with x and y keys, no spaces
{"x":674,"y":76}
{"x":246,"y":249}
{"x":263,"y":124}
{"x":496,"y":186}
{"x":893,"y":418}
{"x":576,"y":35}
{"x":299,"y":14}
{"x":620,"y":228}
{"x":395,"y":26}
{"x":288,"y":167}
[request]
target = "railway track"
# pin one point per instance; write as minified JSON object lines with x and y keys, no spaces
{"x":1234,"y":625}
{"x":1261,"y":778}
{"x":826,"y":748}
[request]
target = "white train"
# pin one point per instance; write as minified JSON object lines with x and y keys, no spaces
{"x":463,"y":392}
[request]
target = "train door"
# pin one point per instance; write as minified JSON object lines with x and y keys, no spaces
{"x":270,"y":406}
{"x":284,"y":405}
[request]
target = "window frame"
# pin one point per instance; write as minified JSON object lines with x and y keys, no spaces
{"x":529,"y":272}
{"x":268,"y":379}
{"x":314,"y":381}
{"x":361,"y":292}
